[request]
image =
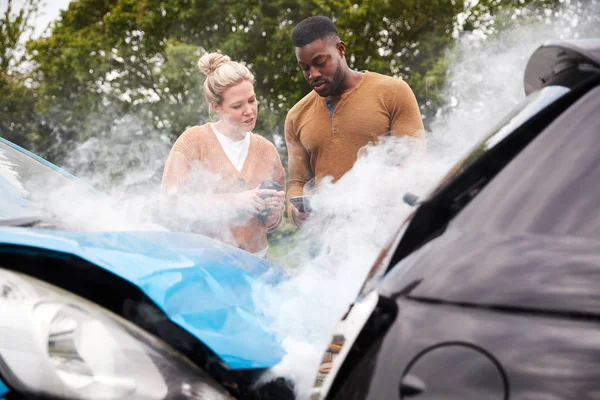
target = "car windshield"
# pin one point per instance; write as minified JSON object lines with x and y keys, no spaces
{"x":25,"y":184}
{"x":564,"y":206}
{"x":529,"y":107}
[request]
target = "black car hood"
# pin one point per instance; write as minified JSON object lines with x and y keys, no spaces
{"x":546,"y":273}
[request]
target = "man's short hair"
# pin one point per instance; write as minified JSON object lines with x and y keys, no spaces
{"x":311,"y":29}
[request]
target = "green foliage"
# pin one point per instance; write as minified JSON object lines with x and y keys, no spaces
{"x":18,"y":121}
{"x":404,"y":38}
{"x":139,"y":56}
{"x":112,"y":67}
{"x":14,"y":27}
{"x":124,"y":57}
{"x":489,"y":16}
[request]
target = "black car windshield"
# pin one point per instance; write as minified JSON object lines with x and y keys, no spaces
{"x":529,"y":107}
{"x":26,"y":183}
{"x":552,"y":185}
{"x":524,"y":111}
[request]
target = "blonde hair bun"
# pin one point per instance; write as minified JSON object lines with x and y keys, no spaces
{"x":221,"y":74}
{"x":208,"y":63}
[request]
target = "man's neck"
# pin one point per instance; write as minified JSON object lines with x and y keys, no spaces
{"x":351,"y":80}
{"x":354,"y":78}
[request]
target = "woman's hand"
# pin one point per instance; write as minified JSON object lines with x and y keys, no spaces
{"x":275,"y":202}
{"x":275,"y":205}
{"x":251,"y":201}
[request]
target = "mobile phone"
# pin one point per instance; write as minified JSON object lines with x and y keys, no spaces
{"x":266,"y":184}
{"x":302,"y":203}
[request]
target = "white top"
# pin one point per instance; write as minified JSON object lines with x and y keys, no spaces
{"x":236,"y":151}
{"x":262,"y":253}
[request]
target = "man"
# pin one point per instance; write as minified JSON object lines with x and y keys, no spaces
{"x":346,"y":110}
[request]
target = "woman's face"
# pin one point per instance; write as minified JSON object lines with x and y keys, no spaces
{"x":239,"y":107}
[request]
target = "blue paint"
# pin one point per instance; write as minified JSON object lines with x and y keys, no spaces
{"x":203,"y":285}
{"x":3,"y":389}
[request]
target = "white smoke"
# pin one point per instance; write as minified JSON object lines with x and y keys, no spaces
{"x":354,"y":218}
{"x":125,"y":160}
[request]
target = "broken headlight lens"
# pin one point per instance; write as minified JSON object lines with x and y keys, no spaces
{"x":54,"y":343}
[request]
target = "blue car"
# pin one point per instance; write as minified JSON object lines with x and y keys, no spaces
{"x":147,"y":314}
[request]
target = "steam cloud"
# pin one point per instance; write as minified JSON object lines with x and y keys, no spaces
{"x":354,"y":218}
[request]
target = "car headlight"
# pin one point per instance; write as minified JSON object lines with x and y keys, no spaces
{"x":56,"y":344}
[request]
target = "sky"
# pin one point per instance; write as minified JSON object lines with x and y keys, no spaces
{"x":49,"y":11}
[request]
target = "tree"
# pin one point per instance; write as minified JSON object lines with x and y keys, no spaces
{"x":138,"y":57}
{"x":404,"y":38}
{"x":15,"y":30}
{"x":490,"y":16}
{"x":18,"y":121}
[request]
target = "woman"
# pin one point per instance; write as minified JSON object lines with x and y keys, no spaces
{"x":238,"y":160}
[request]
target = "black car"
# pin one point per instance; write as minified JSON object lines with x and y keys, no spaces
{"x":492,"y":287}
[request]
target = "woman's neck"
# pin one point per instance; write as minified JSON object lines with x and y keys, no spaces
{"x":229,"y":131}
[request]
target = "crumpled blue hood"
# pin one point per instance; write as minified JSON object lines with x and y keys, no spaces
{"x":203,"y":285}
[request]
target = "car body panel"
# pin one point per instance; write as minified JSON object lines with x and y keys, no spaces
{"x":547,"y":237}
{"x":519,"y":271}
{"x":3,"y":390}
{"x":202,"y":285}
{"x":541,"y":357}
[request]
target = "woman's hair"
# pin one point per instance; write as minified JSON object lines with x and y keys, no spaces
{"x":221,"y":74}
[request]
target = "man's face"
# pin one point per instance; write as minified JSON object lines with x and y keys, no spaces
{"x":321,"y":64}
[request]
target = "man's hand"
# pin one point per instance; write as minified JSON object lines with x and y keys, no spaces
{"x":299,"y":217}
